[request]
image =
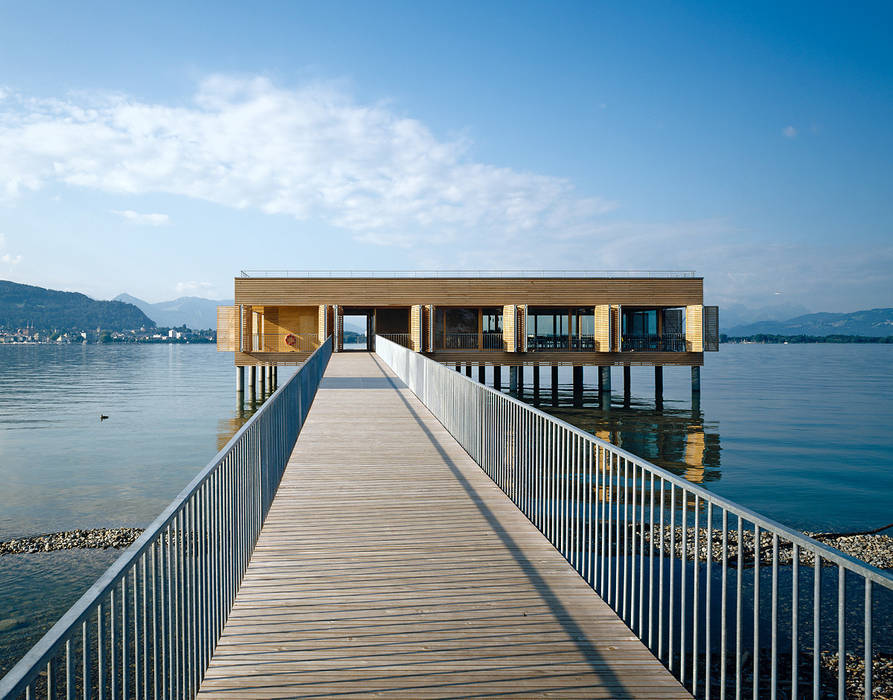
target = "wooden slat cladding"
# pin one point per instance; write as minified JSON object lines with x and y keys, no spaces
{"x":710,"y":328}
{"x":428,"y":315}
{"x":603,"y":328}
{"x":470,"y":292}
{"x":415,"y":327}
{"x":322,"y":323}
{"x":227,"y":328}
{"x":694,"y":328}
{"x":522,"y":328}
{"x":616,"y":328}
{"x":509,"y":327}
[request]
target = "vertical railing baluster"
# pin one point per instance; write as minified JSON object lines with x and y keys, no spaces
{"x":87,"y":665}
{"x":695,"y":601}
{"x":660,"y":581}
{"x":708,"y":576}
{"x":671,"y":607}
{"x":724,"y":596}
{"x":795,"y":617}
{"x":69,"y":671}
{"x":773,"y":668}
{"x":756,"y":612}
{"x":739,"y":607}
{"x":841,"y":631}
{"x":869,"y":656}
{"x":682,"y":585}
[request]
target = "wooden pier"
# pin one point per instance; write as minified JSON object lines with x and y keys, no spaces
{"x":391,"y":566}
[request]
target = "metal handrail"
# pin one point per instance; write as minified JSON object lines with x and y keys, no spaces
{"x":465,"y":274}
{"x":469,"y":341}
{"x":159,"y":609}
{"x":614,"y":517}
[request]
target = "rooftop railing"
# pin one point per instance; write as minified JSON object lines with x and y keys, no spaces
{"x":148,"y":626}
{"x":464,"y":274}
{"x":735,"y":604}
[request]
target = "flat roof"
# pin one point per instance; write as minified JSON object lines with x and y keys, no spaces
{"x":468,"y":274}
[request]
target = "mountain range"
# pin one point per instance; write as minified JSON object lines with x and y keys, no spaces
{"x":871,"y":322}
{"x":193,"y":312}
{"x":24,"y":306}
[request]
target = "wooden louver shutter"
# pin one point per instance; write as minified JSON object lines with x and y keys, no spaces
{"x":228,"y":328}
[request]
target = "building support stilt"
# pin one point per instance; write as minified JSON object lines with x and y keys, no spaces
{"x":627,"y":385}
{"x":520,"y":381}
{"x":252,"y":378}
{"x":536,"y":385}
{"x":262,"y":371}
{"x":497,"y":377}
{"x":578,"y":386}
{"x":554,"y":385}
{"x":659,"y":386}
{"x":458,"y":367}
{"x":467,"y":370}
{"x":604,"y":379}
{"x":240,"y":380}
{"x":482,"y":374}
{"x":513,"y":379}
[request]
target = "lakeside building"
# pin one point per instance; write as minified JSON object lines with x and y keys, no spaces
{"x":497,"y":319}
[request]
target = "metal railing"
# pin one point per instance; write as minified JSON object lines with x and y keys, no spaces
{"x":149,"y":625}
{"x":469,"y":341}
{"x":702,"y":581}
{"x":402,"y":339}
{"x":659,"y":343}
{"x":469,"y":274}
{"x":576,"y":343}
{"x":283,"y":342}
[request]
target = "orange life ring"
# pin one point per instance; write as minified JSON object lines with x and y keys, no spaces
{"x":291,"y":340}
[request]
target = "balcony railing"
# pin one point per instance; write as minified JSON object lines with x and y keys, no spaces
{"x":469,"y":341}
{"x":655,"y":343}
{"x":283,"y":342}
{"x":562,"y":343}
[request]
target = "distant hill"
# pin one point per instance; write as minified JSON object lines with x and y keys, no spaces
{"x":872,"y":322}
{"x":22,"y":305}
{"x":193,"y":312}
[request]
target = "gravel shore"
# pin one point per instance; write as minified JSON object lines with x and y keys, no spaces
{"x":876,"y":550}
{"x":99,"y":538}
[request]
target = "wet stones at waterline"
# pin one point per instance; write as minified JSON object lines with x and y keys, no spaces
{"x":99,"y":538}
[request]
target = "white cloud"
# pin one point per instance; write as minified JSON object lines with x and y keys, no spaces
{"x":193,"y":287}
{"x":789,"y":132}
{"x":143,"y":219}
{"x":307,"y":153}
{"x":7,"y":257}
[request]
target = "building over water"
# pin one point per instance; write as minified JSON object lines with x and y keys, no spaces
{"x":465,"y":318}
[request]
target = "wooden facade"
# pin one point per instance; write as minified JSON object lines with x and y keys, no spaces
{"x":281,"y":320}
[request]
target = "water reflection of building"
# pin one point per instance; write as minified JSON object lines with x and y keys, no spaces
{"x":680,"y":441}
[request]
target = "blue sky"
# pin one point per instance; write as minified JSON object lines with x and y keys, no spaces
{"x":159,"y":149}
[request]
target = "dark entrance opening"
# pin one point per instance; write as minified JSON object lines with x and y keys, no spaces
{"x":358,"y":330}
{"x":393,"y":323}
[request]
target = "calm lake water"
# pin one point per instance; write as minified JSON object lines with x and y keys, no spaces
{"x":801,"y":433}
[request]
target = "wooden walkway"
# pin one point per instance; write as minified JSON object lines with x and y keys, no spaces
{"x":391,"y":566}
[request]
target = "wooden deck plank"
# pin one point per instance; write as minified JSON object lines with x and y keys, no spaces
{"x":391,"y":566}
